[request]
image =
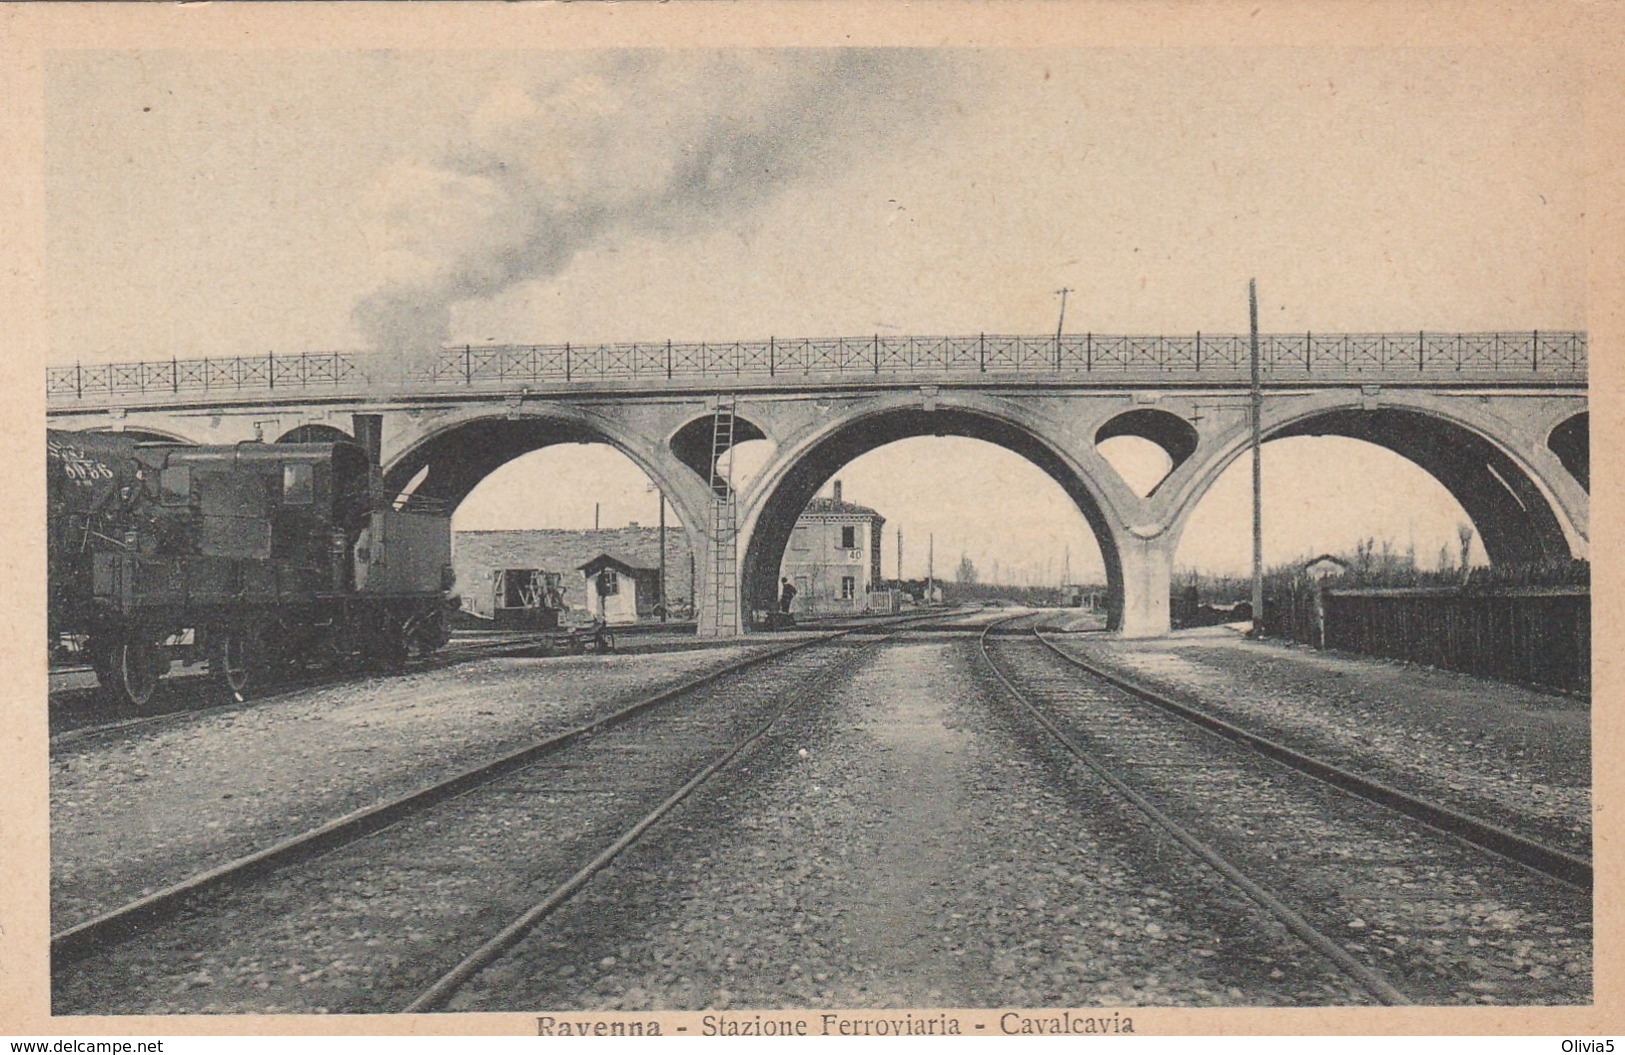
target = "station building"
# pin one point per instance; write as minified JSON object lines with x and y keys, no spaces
{"x":834,"y":557}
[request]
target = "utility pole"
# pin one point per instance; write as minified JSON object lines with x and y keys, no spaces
{"x":663,"y":556}
{"x":595,"y":510}
{"x":1258,"y":465}
{"x":1059,"y":326}
{"x":899,"y":558}
{"x":930,"y":567}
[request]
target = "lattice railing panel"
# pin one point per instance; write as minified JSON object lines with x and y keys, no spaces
{"x":754,"y":357}
{"x":1478,"y":358}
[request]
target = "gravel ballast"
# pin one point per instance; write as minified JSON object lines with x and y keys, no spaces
{"x":1442,"y":922}
{"x":134,"y":813}
{"x":1510,"y":755}
{"x":903,"y":838}
{"x":366,"y":926}
{"x":899,"y":844}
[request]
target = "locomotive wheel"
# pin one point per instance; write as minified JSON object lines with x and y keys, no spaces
{"x":429,"y":635}
{"x":136,"y":671}
{"x":229,"y":664}
{"x":388,"y":647}
{"x":392,"y":652}
{"x":276,"y":653}
{"x":104,"y":661}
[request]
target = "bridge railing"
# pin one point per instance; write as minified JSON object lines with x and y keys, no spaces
{"x":1478,"y":358}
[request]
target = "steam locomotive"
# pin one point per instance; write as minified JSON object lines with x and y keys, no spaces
{"x":255,"y":558}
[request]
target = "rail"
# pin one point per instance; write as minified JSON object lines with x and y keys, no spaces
{"x":81,"y":940}
{"x":1558,"y":864}
{"x":1513,"y":358}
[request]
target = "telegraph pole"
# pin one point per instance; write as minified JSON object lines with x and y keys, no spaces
{"x":663,"y":556}
{"x":930,"y":567}
{"x":899,"y":558}
{"x":1258,"y":465}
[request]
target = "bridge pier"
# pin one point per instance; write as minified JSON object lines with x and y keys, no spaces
{"x":1147,"y":575}
{"x":705,"y":593}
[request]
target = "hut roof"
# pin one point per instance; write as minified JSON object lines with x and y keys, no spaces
{"x":822,"y":506}
{"x":609,"y":560}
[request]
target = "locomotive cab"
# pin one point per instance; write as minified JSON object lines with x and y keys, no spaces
{"x":279,"y":503}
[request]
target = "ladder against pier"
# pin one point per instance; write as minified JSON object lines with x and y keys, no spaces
{"x":723,"y":617}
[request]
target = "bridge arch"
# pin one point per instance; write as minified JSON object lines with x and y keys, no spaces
{"x":1517,"y":509}
{"x":1170,"y":433}
{"x":1176,"y":436}
{"x":316,"y":433}
{"x":1571,"y":442}
{"x":692,"y":443}
{"x":144,"y":434}
{"x":805,"y":463}
{"x":455,"y":452}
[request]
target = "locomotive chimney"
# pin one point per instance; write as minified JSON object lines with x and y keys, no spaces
{"x":837,"y":491}
{"x":369,"y":432}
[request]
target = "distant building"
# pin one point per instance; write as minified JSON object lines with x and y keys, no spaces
{"x":1076,"y":595}
{"x":476,"y":555}
{"x":833,"y":557}
{"x":526,"y":598}
{"x":1325,"y":566}
{"x":617,"y":592}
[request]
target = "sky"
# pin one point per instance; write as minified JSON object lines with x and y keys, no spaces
{"x":225,"y":204}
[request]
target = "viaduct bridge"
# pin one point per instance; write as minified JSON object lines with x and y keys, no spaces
{"x":1500,"y":419}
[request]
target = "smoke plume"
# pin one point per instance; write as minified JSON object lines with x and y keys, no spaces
{"x":660,"y":143}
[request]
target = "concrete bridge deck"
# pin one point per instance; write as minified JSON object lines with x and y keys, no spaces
{"x":1528,"y":358}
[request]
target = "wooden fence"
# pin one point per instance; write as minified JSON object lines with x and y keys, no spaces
{"x":1533,"y":635}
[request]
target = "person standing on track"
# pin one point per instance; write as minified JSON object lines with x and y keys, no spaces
{"x":787,"y":593}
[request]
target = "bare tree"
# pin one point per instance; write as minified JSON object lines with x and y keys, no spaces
{"x":967,"y":572}
{"x":1464,"y":532}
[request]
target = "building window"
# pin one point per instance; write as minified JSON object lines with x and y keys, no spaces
{"x":297,"y":486}
{"x":849,"y":586}
{"x":849,"y":538}
{"x":798,"y":539}
{"x":609,"y":584}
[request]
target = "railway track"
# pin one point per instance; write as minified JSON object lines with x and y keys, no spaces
{"x":1326,"y":859}
{"x":82,"y":713}
{"x":576,"y":789}
{"x":191,"y":695}
{"x":1556,"y":863}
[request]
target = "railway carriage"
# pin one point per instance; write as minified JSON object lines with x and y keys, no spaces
{"x":255,"y":558}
